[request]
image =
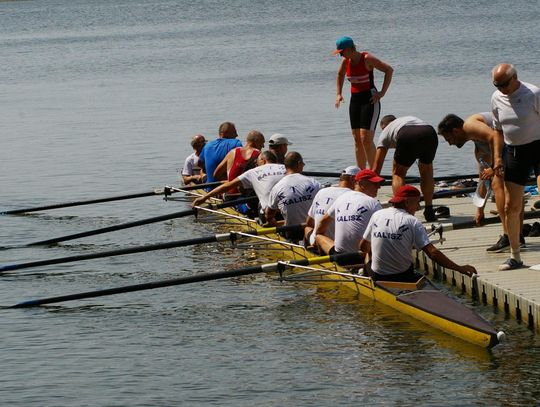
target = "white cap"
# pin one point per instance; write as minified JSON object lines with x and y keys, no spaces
{"x":277,"y":139}
{"x":351,"y":170}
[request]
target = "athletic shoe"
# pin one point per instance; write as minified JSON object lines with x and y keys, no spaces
{"x":429,"y":214}
{"x":511,"y":264}
{"x":535,"y":230}
{"x":502,"y":243}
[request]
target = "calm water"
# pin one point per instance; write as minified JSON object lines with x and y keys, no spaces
{"x":101,"y":98}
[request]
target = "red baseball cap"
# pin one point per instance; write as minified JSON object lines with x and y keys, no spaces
{"x":368,"y":175}
{"x":404,"y":192}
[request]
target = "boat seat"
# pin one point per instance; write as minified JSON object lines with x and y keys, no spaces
{"x":399,"y":285}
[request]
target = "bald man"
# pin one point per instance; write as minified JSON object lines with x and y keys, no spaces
{"x":516,"y":116}
{"x":236,"y":161}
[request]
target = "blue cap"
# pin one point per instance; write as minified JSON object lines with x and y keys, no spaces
{"x":343,"y":43}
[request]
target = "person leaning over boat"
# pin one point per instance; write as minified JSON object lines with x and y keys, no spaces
{"x":191,"y":172}
{"x":292,"y":196}
{"x":413,"y":139}
{"x":391,"y":235}
{"x":516,"y":117}
{"x":364,"y":107}
{"x":261,"y":179}
{"x":236,"y":161}
{"x":488,"y":148}
{"x":216,"y":150}
{"x":322,"y":201}
{"x":279,"y":144}
{"x":350,"y":214}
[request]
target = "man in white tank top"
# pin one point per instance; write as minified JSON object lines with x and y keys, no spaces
{"x":322,"y":201}
{"x":391,"y":235}
{"x":350,"y":214}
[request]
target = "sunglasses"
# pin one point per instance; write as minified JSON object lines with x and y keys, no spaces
{"x":504,"y":84}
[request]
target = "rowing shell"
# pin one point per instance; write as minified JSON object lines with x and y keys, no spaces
{"x":421,"y":300}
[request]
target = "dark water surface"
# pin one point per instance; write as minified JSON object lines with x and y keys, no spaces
{"x":101,"y":98}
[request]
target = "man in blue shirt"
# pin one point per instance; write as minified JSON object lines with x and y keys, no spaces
{"x":214,"y":151}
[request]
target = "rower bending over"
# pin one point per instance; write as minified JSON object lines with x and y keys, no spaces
{"x":391,"y":235}
{"x":292,"y":195}
{"x":261,"y":179}
{"x":350,"y":214}
{"x":323,"y":200}
{"x":488,"y":148}
{"x":413,"y":140}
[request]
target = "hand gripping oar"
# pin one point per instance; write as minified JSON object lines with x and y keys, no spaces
{"x":158,"y":191}
{"x":343,"y":259}
{"x":174,"y":215}
{"x":147,"y":248}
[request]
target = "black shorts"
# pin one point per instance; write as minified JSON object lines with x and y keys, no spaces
{"x":416,"y":142}
{"x":519,"y":160}
{"x":407,"y":276}
{"x":362,"y":113}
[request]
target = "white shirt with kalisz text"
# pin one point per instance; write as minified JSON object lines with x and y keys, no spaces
{"x":262,"y":179}
{"x":324,"y":198}
{"x":351,"y":213}
{"x":293,"y":196}
{"x":393,"y":234}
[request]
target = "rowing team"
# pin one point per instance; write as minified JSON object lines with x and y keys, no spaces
{"x":344,"y":218}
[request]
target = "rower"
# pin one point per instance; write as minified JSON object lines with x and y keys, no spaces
{"x":261,"y":179}
{"x":322,"y":201}
{"x":413,"y":140}
{"x":216,"y":150}
{"x":278,"y":144}
{"x":292,"y":196}
{"x":238,"y":160}
{"x":350,"y":214}
{"x":391,"y":235}
{"x":191,"y":172}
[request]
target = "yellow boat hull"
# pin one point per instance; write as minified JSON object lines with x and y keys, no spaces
{"x":423,"y":302}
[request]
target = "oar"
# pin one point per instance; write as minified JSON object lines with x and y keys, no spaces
{"x":345,"y":258}
{"x":485,"y":221}
{"x":158,"y":191}
{"x":389,"y":177}
{"x":147,"y":248}
{"x":453,"y":192}
{"x":174,"y":215}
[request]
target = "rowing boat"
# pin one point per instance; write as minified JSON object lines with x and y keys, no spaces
{"x":421,"y":300}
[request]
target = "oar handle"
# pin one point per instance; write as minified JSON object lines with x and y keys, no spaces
{"x":389,"y":177}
